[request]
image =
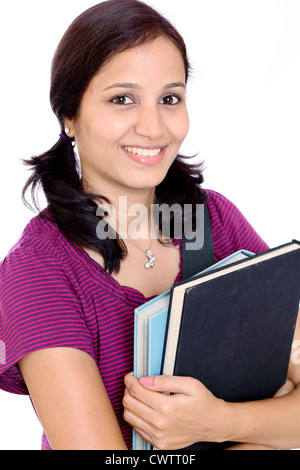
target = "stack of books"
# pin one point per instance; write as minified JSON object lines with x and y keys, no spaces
{"x":231,"y":327}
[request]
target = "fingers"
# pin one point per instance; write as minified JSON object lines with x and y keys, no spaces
{"x":171,"y":384}
{"x":134,"y":414}
{"x":137,"y":397}
{"x":145,"y":405}
{"x":147,"y":389}
{"x":141,"y":417}
{"x":287,"y":388}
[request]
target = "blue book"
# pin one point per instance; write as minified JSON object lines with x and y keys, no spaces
{"x":150,"y":322}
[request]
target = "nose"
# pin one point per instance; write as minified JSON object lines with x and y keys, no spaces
{"x":149,"y":122}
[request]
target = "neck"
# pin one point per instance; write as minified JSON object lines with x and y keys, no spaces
{"x":130,"y":215}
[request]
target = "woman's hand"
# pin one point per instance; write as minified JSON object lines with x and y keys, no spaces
{"x":191,"y":414}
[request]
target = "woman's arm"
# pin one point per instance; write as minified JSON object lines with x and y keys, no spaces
{"x":287,"y":388}
{"x":70,"y":399}
{"x":193,"y":414}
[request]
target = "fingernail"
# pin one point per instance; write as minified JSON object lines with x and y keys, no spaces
{"x":147,"y":381}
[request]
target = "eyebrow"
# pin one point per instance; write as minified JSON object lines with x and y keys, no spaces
{"x":135,"y":86}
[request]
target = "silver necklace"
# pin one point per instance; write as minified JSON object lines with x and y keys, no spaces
{"x":149,"y":253}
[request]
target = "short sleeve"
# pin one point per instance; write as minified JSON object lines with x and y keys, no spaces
{"x":39,"y":309}
{"x":230,"y":229}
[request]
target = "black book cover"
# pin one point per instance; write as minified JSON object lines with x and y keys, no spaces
{"x":237,"y":330}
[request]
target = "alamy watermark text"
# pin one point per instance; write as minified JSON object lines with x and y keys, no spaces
{"x":135,"y":222}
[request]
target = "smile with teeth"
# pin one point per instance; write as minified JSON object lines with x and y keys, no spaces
{"x":143,"y":152}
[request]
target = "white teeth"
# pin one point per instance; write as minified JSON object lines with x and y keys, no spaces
{"x":143,"y":152}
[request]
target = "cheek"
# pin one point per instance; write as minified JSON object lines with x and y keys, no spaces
{"x":109,"y":129}
{"x":181,"y":128}
{"x":102,"y":126}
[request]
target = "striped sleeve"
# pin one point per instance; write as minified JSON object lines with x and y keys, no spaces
{"x":38,"y":309}
{"x":230,"y":229}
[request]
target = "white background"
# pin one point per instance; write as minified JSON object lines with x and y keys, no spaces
{"x":244,"y":102}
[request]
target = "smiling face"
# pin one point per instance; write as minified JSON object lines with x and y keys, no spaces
{"x":132,"y":120}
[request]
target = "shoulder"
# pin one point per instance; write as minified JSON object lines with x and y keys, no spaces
{"x":41,"y":235}
{"x":36,"y":257}
{"x":223,"y":213}
{"x":35,"y":265}
{"x":230,"y":229}
{"x":41,"y":243}
{"x":219,"y":204}
{"x":44,"y":265}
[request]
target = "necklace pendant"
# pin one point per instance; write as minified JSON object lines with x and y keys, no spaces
{"x":151,"y":258}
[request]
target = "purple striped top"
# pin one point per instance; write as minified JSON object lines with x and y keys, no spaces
{"x":52,"y":294}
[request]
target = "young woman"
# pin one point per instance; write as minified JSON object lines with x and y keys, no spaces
{"x":68,"y":292}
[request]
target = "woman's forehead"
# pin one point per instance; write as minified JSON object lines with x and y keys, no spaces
{"x":160,"y":57}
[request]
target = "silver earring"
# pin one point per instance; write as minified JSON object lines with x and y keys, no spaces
{"x":67,"y":131}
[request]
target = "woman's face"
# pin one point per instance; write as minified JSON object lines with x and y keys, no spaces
{"x":132,"y":120}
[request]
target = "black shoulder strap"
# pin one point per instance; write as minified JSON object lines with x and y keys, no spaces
{"x":197,"y":259}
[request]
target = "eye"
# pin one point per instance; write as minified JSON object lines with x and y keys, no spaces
{"x":122,"y":100}
{"x":170,"y":100}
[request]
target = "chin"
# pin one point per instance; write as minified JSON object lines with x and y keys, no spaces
{"x":147,"y":183}
{"x":150,"y":178}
